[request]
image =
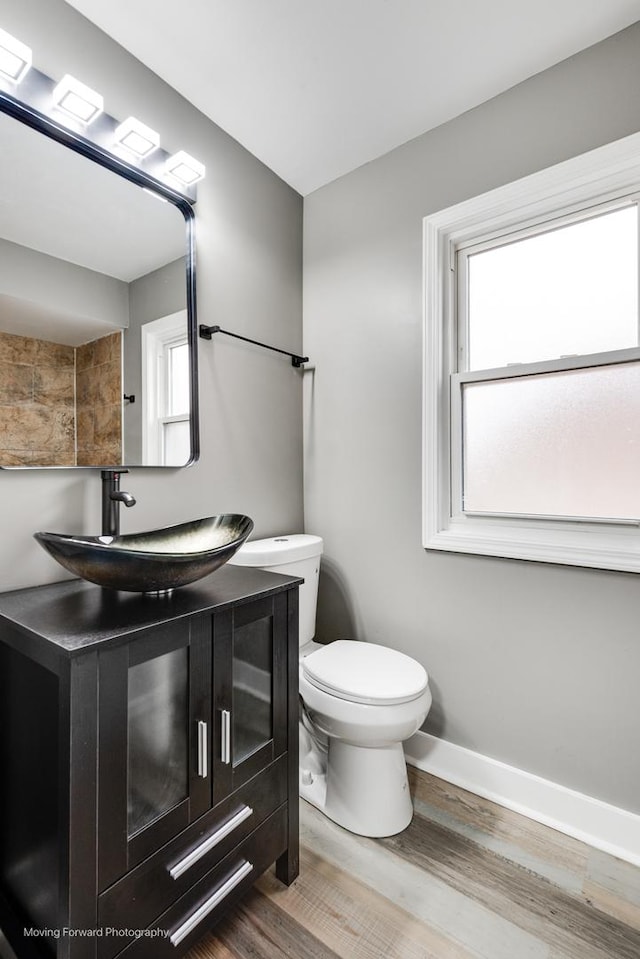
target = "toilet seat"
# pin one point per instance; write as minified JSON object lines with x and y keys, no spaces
{"x":365,"y":673}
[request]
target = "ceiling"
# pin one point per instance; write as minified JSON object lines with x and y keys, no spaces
{"x":60,"y":203}
{"x":316,"y":88}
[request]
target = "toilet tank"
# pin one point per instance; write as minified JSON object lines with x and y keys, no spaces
{"x":295,"y":555}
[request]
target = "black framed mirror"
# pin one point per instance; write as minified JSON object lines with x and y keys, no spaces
{"x":98,"y":349}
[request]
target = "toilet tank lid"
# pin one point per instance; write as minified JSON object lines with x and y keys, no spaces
{"x":365,"y":672}
{"x":278,"y":550}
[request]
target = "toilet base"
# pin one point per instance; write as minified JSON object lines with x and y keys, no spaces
{"x":364,"y":789}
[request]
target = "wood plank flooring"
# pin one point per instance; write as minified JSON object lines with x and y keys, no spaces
{"x":467,"y":880}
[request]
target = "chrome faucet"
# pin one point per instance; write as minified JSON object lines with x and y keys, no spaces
{"x":112,"y":496}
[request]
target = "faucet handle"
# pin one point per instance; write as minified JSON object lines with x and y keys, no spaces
{"x":114,"y":471}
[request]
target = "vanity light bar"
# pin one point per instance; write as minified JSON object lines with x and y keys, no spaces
{"x":77,"y":100}
{"x":15,"y":57}
{"x":137,"y":138}
{"x":184,"y":168}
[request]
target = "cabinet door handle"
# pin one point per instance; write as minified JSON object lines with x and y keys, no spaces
{"x":225,"y":736}
{"x":181,"y":867}
{"x":202,"y":749}
{"x":210,"y":904}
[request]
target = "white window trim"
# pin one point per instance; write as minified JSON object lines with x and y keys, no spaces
{"x":155,"y":337}
{"x":606,"y":173}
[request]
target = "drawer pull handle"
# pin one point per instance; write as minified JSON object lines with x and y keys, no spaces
{"x":209,"y":905}
{"x":225,"y":736}
{"x":181,"y":867}
{"x":202,"y":750}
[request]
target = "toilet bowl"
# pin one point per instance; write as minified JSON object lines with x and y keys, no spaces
{"x":359,"y":702}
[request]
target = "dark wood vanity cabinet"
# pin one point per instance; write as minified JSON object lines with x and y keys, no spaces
{"x":148,"y":751}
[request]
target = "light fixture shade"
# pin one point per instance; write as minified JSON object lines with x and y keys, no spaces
{"x":77,"y":100}
{"x":184,"y":168}
{"x":138,"y":139}
{"x":15,"y":57}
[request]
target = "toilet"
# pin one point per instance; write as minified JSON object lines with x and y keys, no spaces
{"x":359,"y":702}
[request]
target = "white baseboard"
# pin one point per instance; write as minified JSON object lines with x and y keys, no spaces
{"x":614,"y":830}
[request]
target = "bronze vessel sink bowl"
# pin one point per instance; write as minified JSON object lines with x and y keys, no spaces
{"x":154,"y":561}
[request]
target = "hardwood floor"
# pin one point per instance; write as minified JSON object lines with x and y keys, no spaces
{"x":467,"y":880}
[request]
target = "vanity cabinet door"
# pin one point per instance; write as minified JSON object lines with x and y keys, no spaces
{"x":154,"y":773}
{"x":250,"y":706}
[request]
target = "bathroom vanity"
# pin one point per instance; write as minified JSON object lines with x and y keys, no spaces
{"x":149,"y":760}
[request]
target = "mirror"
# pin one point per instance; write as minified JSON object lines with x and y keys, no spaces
{"x":97,"y":309}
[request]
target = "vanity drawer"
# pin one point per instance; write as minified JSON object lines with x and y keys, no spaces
{"x":148,"y":890}
{"x":181,"y":925}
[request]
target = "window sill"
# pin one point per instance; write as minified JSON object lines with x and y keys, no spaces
{"x":595,"y":546}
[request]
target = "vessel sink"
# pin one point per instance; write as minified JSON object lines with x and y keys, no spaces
{"x":154,"y":561}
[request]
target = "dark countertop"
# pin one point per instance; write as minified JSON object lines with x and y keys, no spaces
{"x":73,"y":616}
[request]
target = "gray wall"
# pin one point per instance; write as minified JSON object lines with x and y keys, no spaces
{"x":532,"y":664}
{"x":249,"y":246}
{"x":63,"y":288}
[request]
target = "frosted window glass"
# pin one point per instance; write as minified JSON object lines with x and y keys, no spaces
{"x":571,"y":290}
{"x":561,"y":444}
{"x":177,"y":443}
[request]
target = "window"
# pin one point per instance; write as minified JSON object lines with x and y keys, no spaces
{"x":166,"y":391}
{"x":532,"y":367}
